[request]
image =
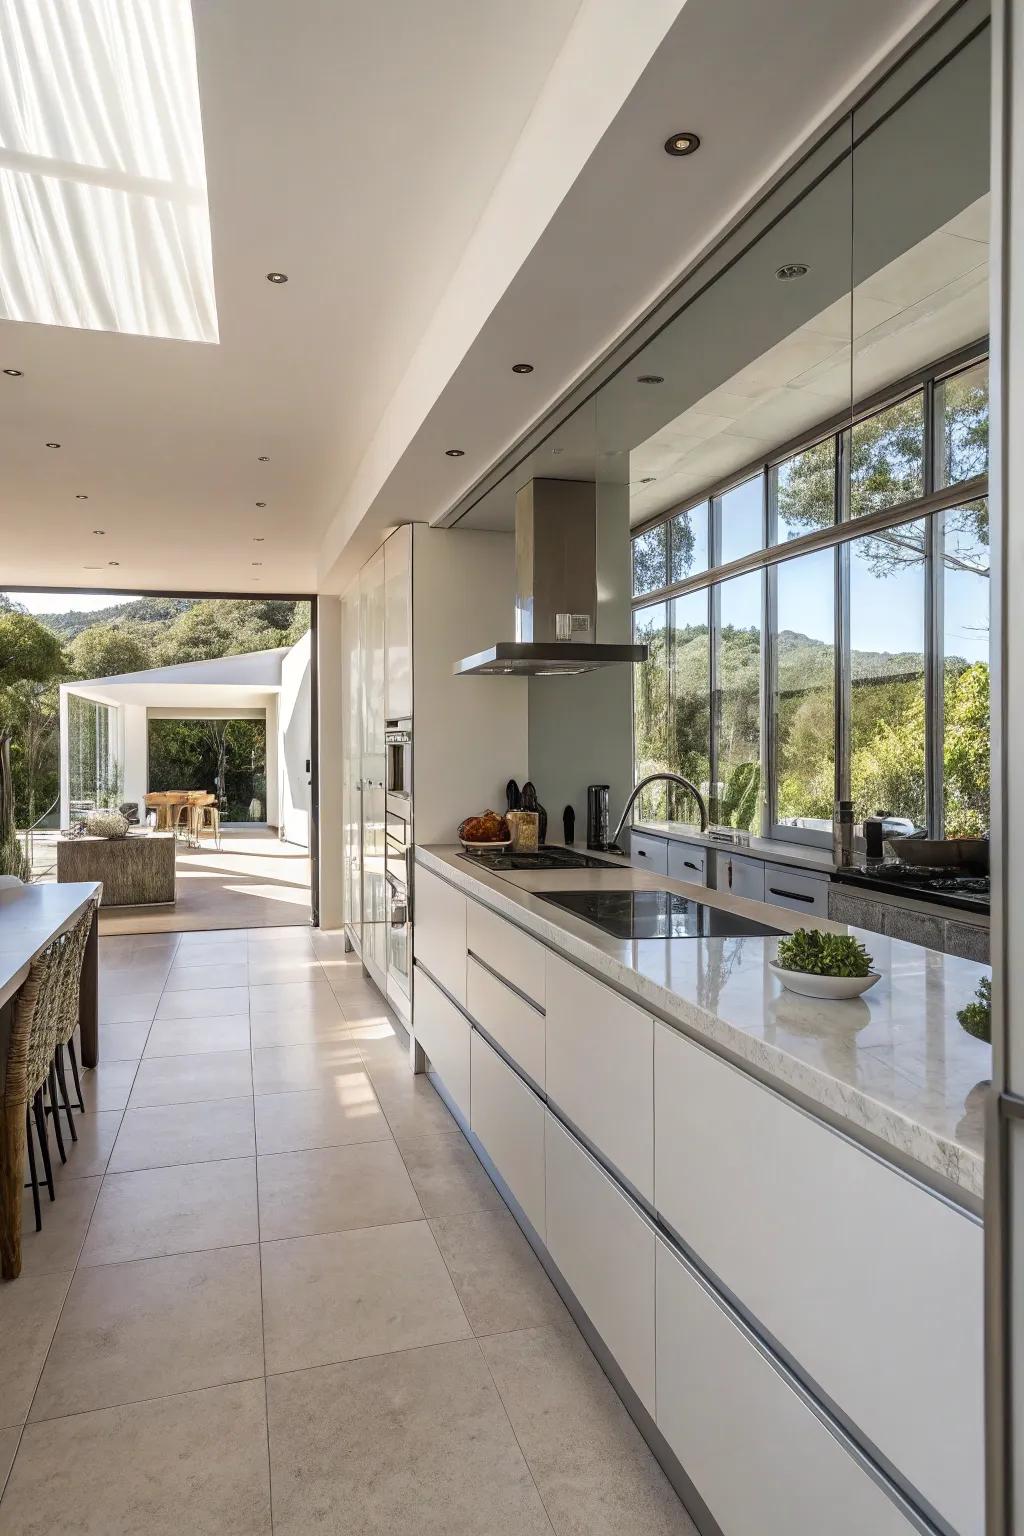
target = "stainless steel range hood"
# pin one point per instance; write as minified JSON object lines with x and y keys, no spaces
{"x":556,"y":589}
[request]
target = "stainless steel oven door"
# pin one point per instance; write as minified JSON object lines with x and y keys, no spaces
{"x":399,"y":933}
{"x":398,"y":744}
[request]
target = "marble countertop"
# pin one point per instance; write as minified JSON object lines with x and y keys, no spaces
{"x":893,"y":1068}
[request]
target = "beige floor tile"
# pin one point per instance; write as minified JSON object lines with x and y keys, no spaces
{"x":131,"y":980}
{"x":293,"y":966}
{"x":29,"y":1310}
{"x":186,"y":1037}
{"x":8,"y":1445}
{"x":183,"y":1209}
{"x":361,"y":1004}
{"x":299,"y":1028}
{"x":169,"y":1134}
{"x":427,"y":1450}
{"x":213,"y":950}
{"x":344,"y":1295}
{"x":298,"y":1122}
{"x":447,"y":1176}
{"x":413,"y":1108}
{"x":193,"y":978}
{"x":289,"y":997}
{"x":594,"y":1472}
{"x":128,"y":1007}
{"x":188,"y":1079}
{"x":334,"y":1189}
{"x":499,"y":1278}
{"x":330,"y":1067}
{"x":152,"y":1328}
{"x":65,"y":1223}
{"x":108,"y":1085}
{"x":88,"y":1156}
{"x":123,"y":1042}
{"x":206,"y":1002}
{"x":195,"y":1463}
{"x":201,"y":941}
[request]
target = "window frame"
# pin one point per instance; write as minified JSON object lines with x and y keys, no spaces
{"x":839,"y":535}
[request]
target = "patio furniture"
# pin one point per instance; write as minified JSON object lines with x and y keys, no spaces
{"x":135,"y":871}
{"x":31,"y":919}
{"x":130,"y":811}
{"x":159,"y":801}
{"x":67,"y":1023}
{"x":206,"y":818}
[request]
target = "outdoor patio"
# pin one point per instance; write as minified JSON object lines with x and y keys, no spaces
{"x":253,"y":881}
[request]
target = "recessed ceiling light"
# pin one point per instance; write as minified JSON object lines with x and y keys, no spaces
{"x":81,"y":496}
{"x":791,"y":270}
{"x":261,"y":503}
{"x":113,"y":562}
{"x":650,"y":378}
{"x":682,"y":144}
{"x":13,"y":373}
{"x":258,"y":539}
{"x":256,"y":562}
{"x":53,"y":445}
{"x":264,"y":458}
{"x":277,"y":277}
{"x":455,"y":453}
{"x":522,"y":367}
{"x":100,"y":531}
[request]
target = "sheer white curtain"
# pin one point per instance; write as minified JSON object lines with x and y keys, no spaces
{"x":104,"y":222}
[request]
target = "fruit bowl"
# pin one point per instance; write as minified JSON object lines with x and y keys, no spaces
{"x":485,"y":847}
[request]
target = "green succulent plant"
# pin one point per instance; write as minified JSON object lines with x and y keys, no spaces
{"x":823,"y":954}
{"x":976,"y":1017}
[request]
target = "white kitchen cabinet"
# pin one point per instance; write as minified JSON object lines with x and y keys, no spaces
{"x":687,"y":861}
{"x":600,"y":1069}
{"x":648,"y":852}
{"x":439,"y":934}
{"x":740,"y":876}
{"x":371,"y":645}
{"x":509,"y":952}
{"x":352,"y":763}
{"x":762,"y":1461}
{"x":871,"y":1283}
{"x":604,"y":1247}
{"x":509,"y":1121}
{"x":444,"y":1033}
{"x":516,"y":1025}
{"x":794,"y":888}
{"x":398,"y":624}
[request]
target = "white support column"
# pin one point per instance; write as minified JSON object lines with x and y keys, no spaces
{"x":65,"y":758}
{"x":134,"y":735}
{"x":330,"y":841}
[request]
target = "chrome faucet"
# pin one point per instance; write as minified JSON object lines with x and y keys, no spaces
{"x":654,"y":778}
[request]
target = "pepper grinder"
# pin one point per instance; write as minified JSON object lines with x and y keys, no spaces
{"x":568,"y":826}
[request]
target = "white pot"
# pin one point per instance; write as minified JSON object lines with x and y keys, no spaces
{"x":835,"y":987}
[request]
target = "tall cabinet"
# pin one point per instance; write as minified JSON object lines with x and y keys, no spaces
{"x":425,"y":598}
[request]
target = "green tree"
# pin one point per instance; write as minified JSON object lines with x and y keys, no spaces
{"x":31,"y":662}
{"x":227,"y":627}
{"x":106,"y":650}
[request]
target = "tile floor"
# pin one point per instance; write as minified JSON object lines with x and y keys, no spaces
{"x":277,"y":1292}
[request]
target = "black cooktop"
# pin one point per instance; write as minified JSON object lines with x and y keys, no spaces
{"x":654,"y":915}
{"x":947,"y":887}
{"x":544,"y":858}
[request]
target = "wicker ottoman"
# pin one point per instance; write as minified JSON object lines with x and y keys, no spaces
{"x":136,"y":871}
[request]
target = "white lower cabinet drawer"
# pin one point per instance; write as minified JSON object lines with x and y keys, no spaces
{"x":761,"y":1460}
{"x":600,"y":1070}
{"x":869,"y":1281}
{"x":514,"y":1023}
{"x":443,"y":1032}
{"x":508,"y":951}
{"x":648,"y":852}
{"x":785,"y":887}
{"x":439,"y":932}
{"x":605,"y":1250}
{"x":509,"y":1120}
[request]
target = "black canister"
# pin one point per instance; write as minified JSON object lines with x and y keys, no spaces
{"x":597,"y":816}
{"x":568,"y":826}
{"x":874,"y":836}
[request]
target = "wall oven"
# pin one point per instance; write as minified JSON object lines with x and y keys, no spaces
{"x":398,"y":744}
{"x":398,"y":854}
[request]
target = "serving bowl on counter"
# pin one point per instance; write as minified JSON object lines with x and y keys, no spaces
{"x":834,"y":987}
{"x":495,"y":847}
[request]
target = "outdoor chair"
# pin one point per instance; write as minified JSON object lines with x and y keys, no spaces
{"x":206,"y":818}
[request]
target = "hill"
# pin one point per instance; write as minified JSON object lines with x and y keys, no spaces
{"x":141,"y":610}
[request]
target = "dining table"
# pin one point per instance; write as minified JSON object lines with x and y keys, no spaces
{"x":31,"y":917}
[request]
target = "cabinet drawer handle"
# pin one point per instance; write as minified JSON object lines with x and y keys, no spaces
{"x":793,"y":895}
{"x":642,"y":853}
{"x":689,"y":864}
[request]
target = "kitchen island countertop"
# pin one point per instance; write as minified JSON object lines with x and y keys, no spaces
{"x":893,"y":1068}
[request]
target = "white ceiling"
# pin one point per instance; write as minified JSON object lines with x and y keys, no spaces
{"x":451,"y":188}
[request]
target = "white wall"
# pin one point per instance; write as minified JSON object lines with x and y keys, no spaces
{"x":330,"y":857}
{"x":134,"y":754}
{"x":293,"y":738}
{"x":272,"y":809}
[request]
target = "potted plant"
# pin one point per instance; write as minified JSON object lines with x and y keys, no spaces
{"x":819,"y":964}
{"x":976,"y":1017}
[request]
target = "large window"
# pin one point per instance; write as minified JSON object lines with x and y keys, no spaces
{"x":873,"y":676}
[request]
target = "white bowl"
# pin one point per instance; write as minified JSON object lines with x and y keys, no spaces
{"x":485,"y":847}
{"x":835,"y":987}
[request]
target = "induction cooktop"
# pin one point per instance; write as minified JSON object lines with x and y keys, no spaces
{"x":655,"y":915}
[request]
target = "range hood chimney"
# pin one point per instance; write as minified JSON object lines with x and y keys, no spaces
{"x":556,"y":589}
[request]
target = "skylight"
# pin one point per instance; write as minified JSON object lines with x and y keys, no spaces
{"x":103,"y":201}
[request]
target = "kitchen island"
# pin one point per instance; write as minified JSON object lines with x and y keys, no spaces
{"x":762,"y":1208}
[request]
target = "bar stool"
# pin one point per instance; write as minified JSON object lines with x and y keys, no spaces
{"x":67,"y":1021}
{"x":206,"y":818}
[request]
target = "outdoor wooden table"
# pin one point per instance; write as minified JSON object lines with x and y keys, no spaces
{"x":30,"y":917}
